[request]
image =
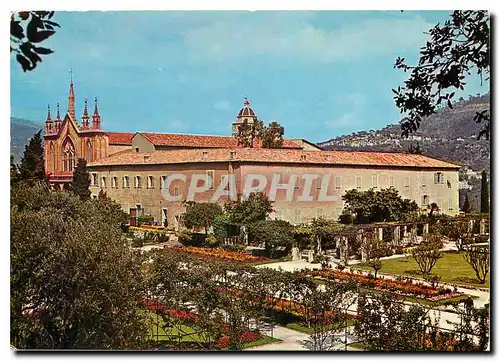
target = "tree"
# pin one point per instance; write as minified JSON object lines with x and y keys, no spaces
{"x":32,"y":166}
{"x":415,"y":149}
{"x":485,"y":197}
{"x":14,"y":171}
{"x":374,"y":249}
{"x":28,"y":28}
{"x":459,"y":233}
{"x":377,"y":206}
{"x":459,"y":46}
{"x":256,"y":208}
{"x":274,"y":234}
{"x":74,"y":283}
{"x":102,"y":194}
{"x":466,"y":208}
{"x":81,"y":180}
{"x":269,"y":137}
{"x":427,"y":253}
{"x":433,"y":208}
{"x":272,"y":136}
{"x":479,"y":259}
{"x":249,"y":132}
{"x":201,"y":215}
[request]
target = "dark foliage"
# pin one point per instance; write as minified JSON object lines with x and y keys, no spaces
{"x":27,"y":30}
{"x":456,"y":48}
{"x":32,"y":166}
{"x":81,"y":180}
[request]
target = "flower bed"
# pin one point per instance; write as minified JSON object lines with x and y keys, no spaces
{"x":192,"y":318}
{"x":152,"y":229}
{"x":220,"y":254}
{"x":401,"y":288}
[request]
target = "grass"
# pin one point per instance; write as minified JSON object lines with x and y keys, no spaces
{"x":360,"y":345}
{"x":191,"y":335}
{"x":452,"y":268}
{"x":309,"y":330}
{"x":263,"y":340}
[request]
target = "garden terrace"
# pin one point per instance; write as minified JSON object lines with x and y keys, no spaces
{"x":220,"y":254}
{"x":388,"y":286}
{"x":452,"y":268}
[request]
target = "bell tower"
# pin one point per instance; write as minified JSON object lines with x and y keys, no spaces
{"x":245,"y":113}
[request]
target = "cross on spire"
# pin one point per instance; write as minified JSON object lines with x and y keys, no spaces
{"x":71,"y":74}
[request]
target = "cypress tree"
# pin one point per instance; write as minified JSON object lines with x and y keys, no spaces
{"x":81,"y":180}
{"x":32,"y":163}
{"x":485,"y":203}
{"x":466,"y":207}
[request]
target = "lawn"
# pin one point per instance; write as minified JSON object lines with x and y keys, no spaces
{"x":189,"y":335}
{"x":452,"y":268}
{"x":309,"y":330}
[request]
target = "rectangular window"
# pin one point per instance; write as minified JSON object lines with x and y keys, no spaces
{"x":137,"y":181}
{"x":126,"y":183}
{"x":94,"y":179}
{"x":114,"y":182}
{"x":103,"y":182}
{"x":358,"y":182}
{"x":391,"y":181}
{"x":150,"y":181}
{"x":211,"y":175}
{"x":163,"y":181}
{"x":224,"y":179}
{"x":297,"y":216}
{"x":438,"y":178}
{"x":450,"y":204}
{"x":338,"y":182}
{"x":319,"y":212}
{"x":424,"y":181}
{"x":425,"y":200}
{"x":407,"y":182}
{"x":318,"y":183}
{"x":374,"y":181}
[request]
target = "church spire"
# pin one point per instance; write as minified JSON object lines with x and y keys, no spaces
{"x":85,"y":117}
{"x":48,"y":122}
{"x":57,"y":123}
{"x":49,"y":119}
{"x":71,"y":97}
{"x":96,"y":118}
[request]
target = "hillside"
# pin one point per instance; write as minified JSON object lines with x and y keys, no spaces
{"x":21,"y":130}
{"x":450,"y":135}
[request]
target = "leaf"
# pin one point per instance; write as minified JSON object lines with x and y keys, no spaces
{"x":41,"y":35}
{"x":24,"y":15}
{"x":41,"y":50}
{"x":51,"y":23}
{"x":24,"y":62}
{"x":16,"y":29}
{"x":449,"y":104}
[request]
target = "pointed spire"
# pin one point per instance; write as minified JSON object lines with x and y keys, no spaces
{"x":246,"y":103}
{"x":96,"y":118}
{"x":49,"y":119}
{"x":85,"y":117}
{"x":58,"y":116}
{"x":71,"y":97}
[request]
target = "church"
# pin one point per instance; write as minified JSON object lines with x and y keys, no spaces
{"x":155,"y":173}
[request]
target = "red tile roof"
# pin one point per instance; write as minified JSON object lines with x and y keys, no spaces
{"x":261,"y":155}
{"x":202,"y":141}
{"x":120,"y":138}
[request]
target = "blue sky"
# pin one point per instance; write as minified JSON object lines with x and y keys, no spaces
{"x":318,"y":73}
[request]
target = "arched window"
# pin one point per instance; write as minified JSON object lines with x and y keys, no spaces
{"x":68,"y":156}
{"x":52,"y":157}
{"x":89,"y":152}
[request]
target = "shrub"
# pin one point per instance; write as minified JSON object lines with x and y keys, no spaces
{"x":346,"y":217}
{"x":184,"y":237}
{"x":137,"y":242}
{"x":145,"y":218}
{"x":212,"y":241}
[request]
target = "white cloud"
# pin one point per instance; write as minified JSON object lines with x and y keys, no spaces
{"x":177,"y":126}
{"x":348,"y":120}
{"x":234,"y":39}
{"x":222,"y":105}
